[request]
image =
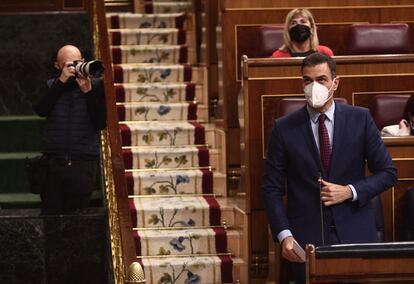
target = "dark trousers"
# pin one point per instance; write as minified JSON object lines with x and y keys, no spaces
{"x":299,"y":269}
{"x":69,"y":186}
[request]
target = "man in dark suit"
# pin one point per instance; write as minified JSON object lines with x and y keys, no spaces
{"x":317,"y":156}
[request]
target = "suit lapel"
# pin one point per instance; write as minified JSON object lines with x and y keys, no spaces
{"x":308,"y":137}
{"x":338,"y":137}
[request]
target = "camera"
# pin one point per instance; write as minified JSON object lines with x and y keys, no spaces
{"x":92,"y":68}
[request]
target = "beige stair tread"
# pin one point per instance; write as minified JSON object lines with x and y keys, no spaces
{"x":167,"y":7}
{"x":131,"y":89}
{"x":198,"y":73}
{"x":200,"y":266}
{"x":186,"y":241}
{"x":133,"y":20}
{"x":139,"y":154}
{"x":162,"y":133}
{"x":210,"y":132}
{"x":173,"y":111}
{"x":174,"y":211}
{"x":191,"y":182}
{"x":160,"y":54}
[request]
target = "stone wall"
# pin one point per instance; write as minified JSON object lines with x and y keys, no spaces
{"x":28,"y":45}
{"x":54,"y":249}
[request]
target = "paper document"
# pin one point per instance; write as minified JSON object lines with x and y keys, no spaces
{"x":299,"y":251}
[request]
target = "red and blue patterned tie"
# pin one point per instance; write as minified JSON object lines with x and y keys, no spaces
{"x":324,"y":145}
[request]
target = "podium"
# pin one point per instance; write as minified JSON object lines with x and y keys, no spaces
{"x":360,"y":262}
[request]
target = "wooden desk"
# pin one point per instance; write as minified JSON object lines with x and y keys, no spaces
{"x":402,"y":153}
{"x":391,"y":262}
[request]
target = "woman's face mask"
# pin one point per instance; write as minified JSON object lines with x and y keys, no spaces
{"x":317,"y":94}
{"x":299,"y":33}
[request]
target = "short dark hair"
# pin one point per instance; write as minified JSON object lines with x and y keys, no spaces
{"x":319,"y":58}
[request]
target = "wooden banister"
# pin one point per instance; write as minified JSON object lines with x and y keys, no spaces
{"x":122,"y":244}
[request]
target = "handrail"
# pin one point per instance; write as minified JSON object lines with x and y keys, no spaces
{"x":120,"y":226}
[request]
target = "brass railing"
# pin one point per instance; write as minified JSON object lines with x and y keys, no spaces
{"x":120,"y":229}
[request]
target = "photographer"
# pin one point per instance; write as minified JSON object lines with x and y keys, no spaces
{"x":75,"y":110}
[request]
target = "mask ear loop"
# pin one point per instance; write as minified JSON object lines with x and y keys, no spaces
{"x":329,"y":90}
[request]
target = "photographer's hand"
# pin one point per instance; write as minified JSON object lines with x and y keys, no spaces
{"x":67,"y":71}
{"x":84,"y":83}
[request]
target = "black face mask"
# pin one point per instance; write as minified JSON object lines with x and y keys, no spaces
{"x":299,"y":33}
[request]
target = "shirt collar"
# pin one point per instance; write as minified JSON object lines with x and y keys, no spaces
{"x":315,"y":115}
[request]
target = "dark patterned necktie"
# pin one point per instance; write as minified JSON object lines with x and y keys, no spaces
{"x":324,"y":145}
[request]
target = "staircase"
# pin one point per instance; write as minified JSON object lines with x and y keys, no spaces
{"x":21,"y":138}
{"x":185,"y":227}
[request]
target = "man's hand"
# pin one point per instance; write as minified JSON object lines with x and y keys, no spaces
{"x":68,"y":70}
{"x":287,"y":250}
{"x":334,"y":193}
{"x":84,"y":83}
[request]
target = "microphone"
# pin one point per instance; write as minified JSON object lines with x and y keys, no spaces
{"x":321,"y":208}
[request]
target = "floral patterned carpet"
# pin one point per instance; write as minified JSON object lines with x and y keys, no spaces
{"x":172,"y":170}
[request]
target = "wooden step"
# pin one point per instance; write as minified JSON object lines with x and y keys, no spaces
{"x":118,"y":6}
{"x":161,"y":92}
{"x":154,"y":111}
{"x":162,"y":133}
{"x":232,"y":212}
{"x":220,"y":182}
{"x":216,"y":139}
{"x":173,"y":73}
{"x":231,"y":216}
{"x":240,"y":271}
{"x":139,"y":20}
{"x":184,"y":241}
{"x":175,"y":181}
{"x":164,"y":7}
{"x":170,"y":36}
{"x":234,"y":242}
{"x":194,"y":269}
{"x":154,"y":157}
{"x":175,"y":211}
{"x":160,"y":54}
{"x":151,"y":241}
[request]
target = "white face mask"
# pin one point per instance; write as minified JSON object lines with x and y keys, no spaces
{"x":317,"y":94}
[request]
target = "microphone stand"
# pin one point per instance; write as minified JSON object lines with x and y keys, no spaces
{"x":321,"y":209}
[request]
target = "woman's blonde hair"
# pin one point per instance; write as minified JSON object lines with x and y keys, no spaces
{"x":314,"y":41}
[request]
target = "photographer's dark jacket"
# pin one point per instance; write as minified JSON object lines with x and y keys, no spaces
{"x":73,"y":120}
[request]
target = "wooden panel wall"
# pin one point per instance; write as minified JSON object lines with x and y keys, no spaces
{"x":210,"y":8}
{"x":266,"y":81}
{"x":306,"y":3}
{"x":234,"y":17}
{"x":29,"y":6}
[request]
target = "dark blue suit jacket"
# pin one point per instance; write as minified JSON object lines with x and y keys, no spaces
{"x":293,"y":165}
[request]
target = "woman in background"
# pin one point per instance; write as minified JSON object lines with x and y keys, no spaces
{"x":300,"y":36}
